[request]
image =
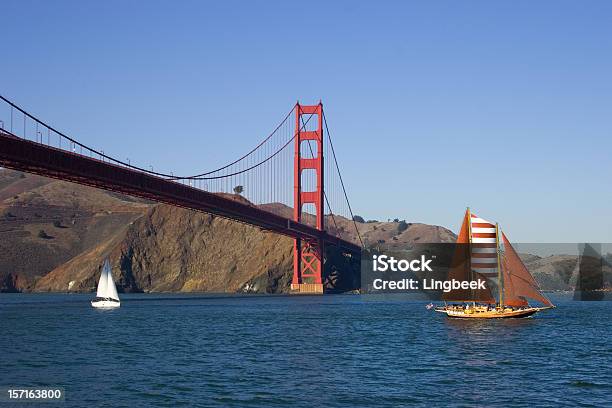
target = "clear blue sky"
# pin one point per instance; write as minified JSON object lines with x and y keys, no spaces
{"x":505,"y":106}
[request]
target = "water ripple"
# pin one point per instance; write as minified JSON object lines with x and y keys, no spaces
{"x":333,"y":351}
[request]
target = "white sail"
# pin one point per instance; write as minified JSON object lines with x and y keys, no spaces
{"x":106,"y":286}
{"x":111,"y":289}
{"x":103,"y":282}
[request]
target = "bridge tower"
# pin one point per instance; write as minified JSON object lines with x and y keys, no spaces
{"x":308,"y":254}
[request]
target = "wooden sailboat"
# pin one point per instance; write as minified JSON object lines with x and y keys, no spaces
{"x":479,"y":255}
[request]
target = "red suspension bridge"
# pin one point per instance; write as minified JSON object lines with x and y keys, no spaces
{"x":283,"y":185}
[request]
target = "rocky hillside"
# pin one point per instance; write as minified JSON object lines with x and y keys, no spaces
{"x":170,"y":249}
{"x":390,"y":235}
{"x":560,"y":272}
{"x":55,"y":235}
{"x":45,"y":223}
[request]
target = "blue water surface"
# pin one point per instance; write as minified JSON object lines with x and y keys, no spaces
{"x":323,"y":351}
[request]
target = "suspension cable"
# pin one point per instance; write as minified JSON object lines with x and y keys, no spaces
{"x":247,"y":154}
{"x":253,"y":166}
{"x":129,"y":165}
{"x":242,"y":171}
{"x":341,"y":181}
{"x":200,"y":176}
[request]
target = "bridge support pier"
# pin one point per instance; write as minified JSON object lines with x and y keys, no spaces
{"x":308,"y":255}
{"x":308,"y":263}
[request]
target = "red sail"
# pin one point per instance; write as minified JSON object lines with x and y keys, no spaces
{"x":518,"y":282}
{"x":510,"y":296}
{"x":460,"y":270}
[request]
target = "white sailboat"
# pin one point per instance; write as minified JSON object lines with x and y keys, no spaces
{"x":106,"y":296}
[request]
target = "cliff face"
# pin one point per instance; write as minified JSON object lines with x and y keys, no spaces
{"x":173,"y":249}
{"x":54,"y":236}
{"x":45,"y":223}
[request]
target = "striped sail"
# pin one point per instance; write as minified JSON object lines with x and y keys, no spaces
{"x":459,"y":269}
{"x":484,"y":247}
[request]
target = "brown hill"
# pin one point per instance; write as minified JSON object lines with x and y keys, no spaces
{"x":560,"y":272}
{"x":45,"y":222}
{"x":55,"y":235}
{"x":171,"y":249}
{"x":391,"y":235}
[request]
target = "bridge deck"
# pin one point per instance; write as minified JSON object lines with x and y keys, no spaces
{"x":32,"y":157}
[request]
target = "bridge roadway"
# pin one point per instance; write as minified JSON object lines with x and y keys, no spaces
{"x":37,"y":158}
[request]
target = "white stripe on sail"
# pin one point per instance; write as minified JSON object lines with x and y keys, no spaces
{"x":485,"y":271}
{"x":484,"y":241}
{"x":484,"y":254}
{"x":478,"y":261}
{"x":476,"y":250}
{"x":481,"y":221}
{"x":480,"y":230}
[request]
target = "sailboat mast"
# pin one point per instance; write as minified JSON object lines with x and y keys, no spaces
{"x":469,"y":222}
{"x":500,"y":283}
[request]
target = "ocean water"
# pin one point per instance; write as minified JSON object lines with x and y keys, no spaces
{"x":331,"y":351}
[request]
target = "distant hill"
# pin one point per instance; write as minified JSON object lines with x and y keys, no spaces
{"x":560,"y":272}
{"x":45,"y":223}
{"x":386,"y":234}
{"x":174,"y":249}
{"x":54,"y":236}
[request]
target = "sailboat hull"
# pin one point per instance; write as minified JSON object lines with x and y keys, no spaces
{"x":105,"y":304}
{"x":491,"y":314}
